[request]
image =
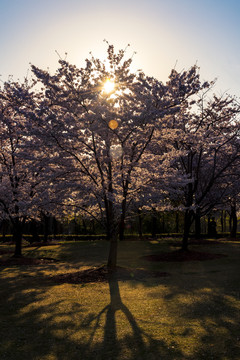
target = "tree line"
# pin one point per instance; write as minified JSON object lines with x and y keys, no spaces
{"x":70,"y":145}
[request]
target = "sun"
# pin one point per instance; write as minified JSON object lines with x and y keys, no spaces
{"x":108,"y":86}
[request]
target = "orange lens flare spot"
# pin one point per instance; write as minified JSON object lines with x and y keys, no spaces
{"x":113,"y":124}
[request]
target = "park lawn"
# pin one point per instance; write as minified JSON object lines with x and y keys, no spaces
{"x":194,"y":313}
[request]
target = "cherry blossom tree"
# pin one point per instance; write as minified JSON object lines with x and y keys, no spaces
{"x":204,"y":147}
{"x":24,"y":170}
{"x":230,"y":200}
{"x":101,"y":139}
{"x":102,"y":119}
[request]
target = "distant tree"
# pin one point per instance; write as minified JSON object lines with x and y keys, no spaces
{"x":231,"y":197}
{"x":24,"y":171}
{"x":203,"y":149}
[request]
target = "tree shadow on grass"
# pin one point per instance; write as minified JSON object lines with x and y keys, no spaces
{"x":36,"y":326}
{"x":201,"y":305}
{"x":210,"y":312}
{"x":136,"y":345}
{"x":218,"y":315}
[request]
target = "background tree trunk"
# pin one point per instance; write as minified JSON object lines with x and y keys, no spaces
{"x":177,"y":222}
{"x":112,"y":255}
{"x":154,"y":223}
{"x":140,"y":221}
{"x":233,"y":216}
{"x":17,"y":237}
{"x":186,"y":231}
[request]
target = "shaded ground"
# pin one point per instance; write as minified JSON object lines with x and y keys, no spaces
{"x":101,"y":274}
{"x":26,"y":261}
{"x":180,"y":255}
{"x":10,"y":260}
{"x":5,"y":251}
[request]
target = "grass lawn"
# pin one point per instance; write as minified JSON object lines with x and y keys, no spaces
{"x":194,"y":313}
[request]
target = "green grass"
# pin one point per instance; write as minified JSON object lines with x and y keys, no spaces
{"x":192,"y":314}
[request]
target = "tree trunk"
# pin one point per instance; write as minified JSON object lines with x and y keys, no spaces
{"x":84,"y":226}
{"x":222,"y":228}
{"x":230,"y":223}
{"x":122,"y":220}
{"x":187,"y":225}
{"x":4,"y":228}
{"x":197,"y":224}
{"x":177,"y":223}
{"x":209,"y":225}
{"x":55,"y":227}
{"x":163,"y":223}
{"x":233,"y":216}
{"x":45,"y":226}
{"x":154,"y":223}
{"x":140,"y":223}
{"x":17,"y":237}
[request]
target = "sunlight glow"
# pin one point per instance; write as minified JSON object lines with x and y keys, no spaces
{"x":108,"y":86}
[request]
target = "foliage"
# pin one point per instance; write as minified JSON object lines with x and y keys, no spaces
{"x":70,"y":145}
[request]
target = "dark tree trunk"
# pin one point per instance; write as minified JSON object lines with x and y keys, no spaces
{"x":55,"y":227}
{"x":222,"y":228}
{"x":209,"y":225}
{"x":233,"y":216}
{"x":112,"y":255}
{"x":154,"y":223}
{"x":4,"y":228}
{"x":177,"y":223}
{"x":17,"y":237}
{"x":197,"y":224}
{"x":84,"y":226}
{"x":33,"y":230}
{"x":230,"y":223}
{"x":163,"y":223}
{"x":45,"y":226}
{"x":187,"y":225}
{"x":122,"y":220}
{"x":224,"y":221}
{"x":140,"y":223}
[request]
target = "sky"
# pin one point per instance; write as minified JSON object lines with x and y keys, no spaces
{"x":165,"y":34}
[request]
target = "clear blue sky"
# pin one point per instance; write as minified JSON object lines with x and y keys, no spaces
{"x":160,"y":31}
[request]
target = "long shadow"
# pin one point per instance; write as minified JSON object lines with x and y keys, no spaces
{"x":61,"y":329}
{"x":138,"y":345}
{"x":32,"y":328}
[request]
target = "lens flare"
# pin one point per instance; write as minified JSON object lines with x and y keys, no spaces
{"x":113,"y":124}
